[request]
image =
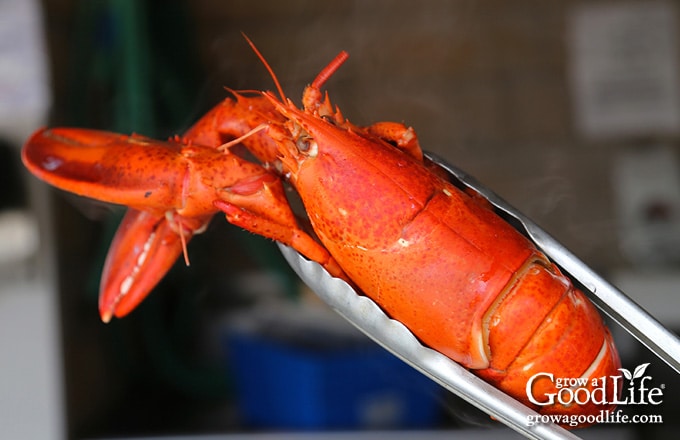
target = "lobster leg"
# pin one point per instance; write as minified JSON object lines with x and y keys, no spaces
{"x":399,"y":135}
{"x":284,"y":232}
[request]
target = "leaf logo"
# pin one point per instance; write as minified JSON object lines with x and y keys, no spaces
{"x":638,"y":372}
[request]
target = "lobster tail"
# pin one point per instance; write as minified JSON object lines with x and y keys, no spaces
{"x":545,"y":328}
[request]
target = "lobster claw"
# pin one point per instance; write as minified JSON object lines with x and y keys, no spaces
{"x":145,"y":247}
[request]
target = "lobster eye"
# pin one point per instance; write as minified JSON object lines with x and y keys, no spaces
{"x":307,"y":144}
{"x":302,"y":143}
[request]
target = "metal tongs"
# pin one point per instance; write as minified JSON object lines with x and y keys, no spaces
{"x":363,"y":313}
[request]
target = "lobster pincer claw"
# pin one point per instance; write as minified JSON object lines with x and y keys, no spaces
{"x":145,"y":247}
{"x":368,"y":317}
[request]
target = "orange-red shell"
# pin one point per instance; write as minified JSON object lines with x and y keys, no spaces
{"x":459,"y":277}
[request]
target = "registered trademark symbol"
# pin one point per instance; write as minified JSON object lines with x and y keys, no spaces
{"x":663,"y":386}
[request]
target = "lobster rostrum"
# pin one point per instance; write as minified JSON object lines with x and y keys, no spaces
{"x":433,"y":257}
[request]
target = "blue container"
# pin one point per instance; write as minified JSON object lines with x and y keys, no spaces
{"x":313,"y":381}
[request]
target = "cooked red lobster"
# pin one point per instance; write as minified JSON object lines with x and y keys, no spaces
{"x":435,"y":258}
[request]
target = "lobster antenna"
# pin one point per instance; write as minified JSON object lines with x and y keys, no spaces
{"x":329,"y":70}
{"x":238,"y":140}
{"x":267,"y":66}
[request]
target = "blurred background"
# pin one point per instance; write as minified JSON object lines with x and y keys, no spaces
{"x":569,"y":109}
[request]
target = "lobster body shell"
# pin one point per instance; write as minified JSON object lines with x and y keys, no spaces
{"x":458,"y":276}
